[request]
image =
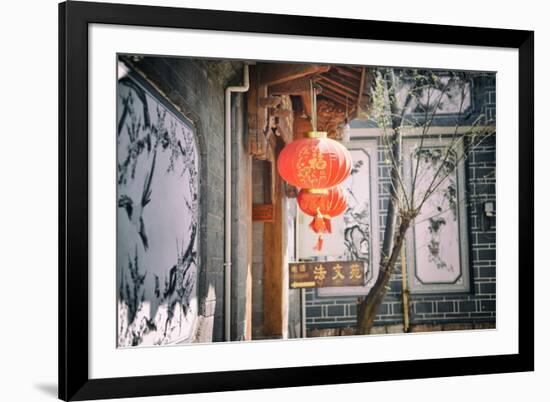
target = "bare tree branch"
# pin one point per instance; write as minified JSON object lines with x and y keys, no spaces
{"x":448,"y":152}
{"x":425,"y":130}
{"x":402,"y":211}
{"x":430,"y":190}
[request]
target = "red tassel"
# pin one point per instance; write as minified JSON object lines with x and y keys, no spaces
{"x":328,"y":225}
{"x":318,"y":224}
{"x":319,"y":245}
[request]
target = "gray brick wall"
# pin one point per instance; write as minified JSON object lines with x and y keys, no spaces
{"x":196,"y":88}
{"x":477,"y":306}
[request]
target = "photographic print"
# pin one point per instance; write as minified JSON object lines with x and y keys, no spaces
{"x":254,"y":200}
{"x":264,"y":200}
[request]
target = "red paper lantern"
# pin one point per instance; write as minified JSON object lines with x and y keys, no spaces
{"x":322,"y":205}
{"x":314,"y":162}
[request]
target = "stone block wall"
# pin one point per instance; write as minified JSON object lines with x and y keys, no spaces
{"x":196,"y":88}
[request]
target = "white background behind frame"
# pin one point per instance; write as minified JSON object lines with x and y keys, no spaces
{"x":34,"y":57}
{"x":107,"y":361}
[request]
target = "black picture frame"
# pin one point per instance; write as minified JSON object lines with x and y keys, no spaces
{"x":74,"y":18}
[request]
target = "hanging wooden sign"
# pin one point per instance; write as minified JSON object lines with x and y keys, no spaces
{"x":322,"y":274}
{"x":263,"y":213}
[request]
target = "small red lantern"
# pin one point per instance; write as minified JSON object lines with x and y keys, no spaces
{"x":322,"y":204}
{"x":314,"y":162}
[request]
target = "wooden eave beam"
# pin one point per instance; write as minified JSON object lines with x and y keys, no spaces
{"x":340,"y":89}
{"x":274,"y":73}
{"x":293,"y":87}
{"x":347,"y":72}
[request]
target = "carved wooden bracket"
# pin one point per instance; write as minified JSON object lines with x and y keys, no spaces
{"x":270,"y":107}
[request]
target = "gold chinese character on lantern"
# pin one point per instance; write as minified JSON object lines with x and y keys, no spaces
{"x":317,"y":161}
{"x":338,"y":274}
{"x":355,"y":271}
{"x":319,"y":273}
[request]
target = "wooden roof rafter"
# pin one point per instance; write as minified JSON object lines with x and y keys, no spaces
{"x":330,"y":95}
{"x":271,"y":74}
{"x":341,"y":91}
{"x":345,"y":86}
{"x":347,"y":71}
{"x":337,"y":89}
{"x":343,"y":80}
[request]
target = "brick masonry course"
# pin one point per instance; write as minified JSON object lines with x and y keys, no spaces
{"x":478,"y":307}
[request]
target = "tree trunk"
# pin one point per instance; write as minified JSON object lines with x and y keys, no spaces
{"x":392,"y":240}
{"x":369,"y":306}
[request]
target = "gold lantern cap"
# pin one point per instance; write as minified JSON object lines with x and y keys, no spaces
{"x":316,"y":190}
{"x":316,"y":134}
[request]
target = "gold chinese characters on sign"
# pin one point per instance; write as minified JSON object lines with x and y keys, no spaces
{"x":326,"y":274}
